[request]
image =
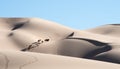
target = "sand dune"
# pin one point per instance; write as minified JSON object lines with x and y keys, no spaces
{"x":110,"y":30}
{"x":33,"y":43}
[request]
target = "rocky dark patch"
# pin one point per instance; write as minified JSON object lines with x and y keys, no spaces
{"x":11,"y":34}
{"x":33,"y":45}
{"x":46,"y":39}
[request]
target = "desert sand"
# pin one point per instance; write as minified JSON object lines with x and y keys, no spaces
{"x":34,"y":43}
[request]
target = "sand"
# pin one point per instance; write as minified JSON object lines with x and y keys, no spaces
{"x":34,"y":43}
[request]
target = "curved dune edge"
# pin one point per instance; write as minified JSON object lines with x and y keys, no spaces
{"x":33,"y":43}
{"x":28,"y":60}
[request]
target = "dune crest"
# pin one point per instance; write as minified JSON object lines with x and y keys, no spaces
{"x":33,"y":43}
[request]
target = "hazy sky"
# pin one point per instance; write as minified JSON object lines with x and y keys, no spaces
{"x":79,"y":14}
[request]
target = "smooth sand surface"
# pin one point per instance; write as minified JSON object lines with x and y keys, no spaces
{"x":34,"y":43}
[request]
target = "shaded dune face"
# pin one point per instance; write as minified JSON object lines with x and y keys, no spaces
{"x":81,"y":48}
{"x":17,"y":26}
{"x":41,"y":36}
{"x":110,"y":56}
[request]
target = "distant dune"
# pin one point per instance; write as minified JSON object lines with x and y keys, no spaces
{"x":33,"y":43}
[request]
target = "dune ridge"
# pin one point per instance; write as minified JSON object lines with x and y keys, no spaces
{"x":34,"y":43}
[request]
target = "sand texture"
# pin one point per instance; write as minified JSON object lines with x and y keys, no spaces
{"x":34,"y":43}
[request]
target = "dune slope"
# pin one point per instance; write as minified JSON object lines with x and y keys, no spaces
{"x":34,"y":43}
